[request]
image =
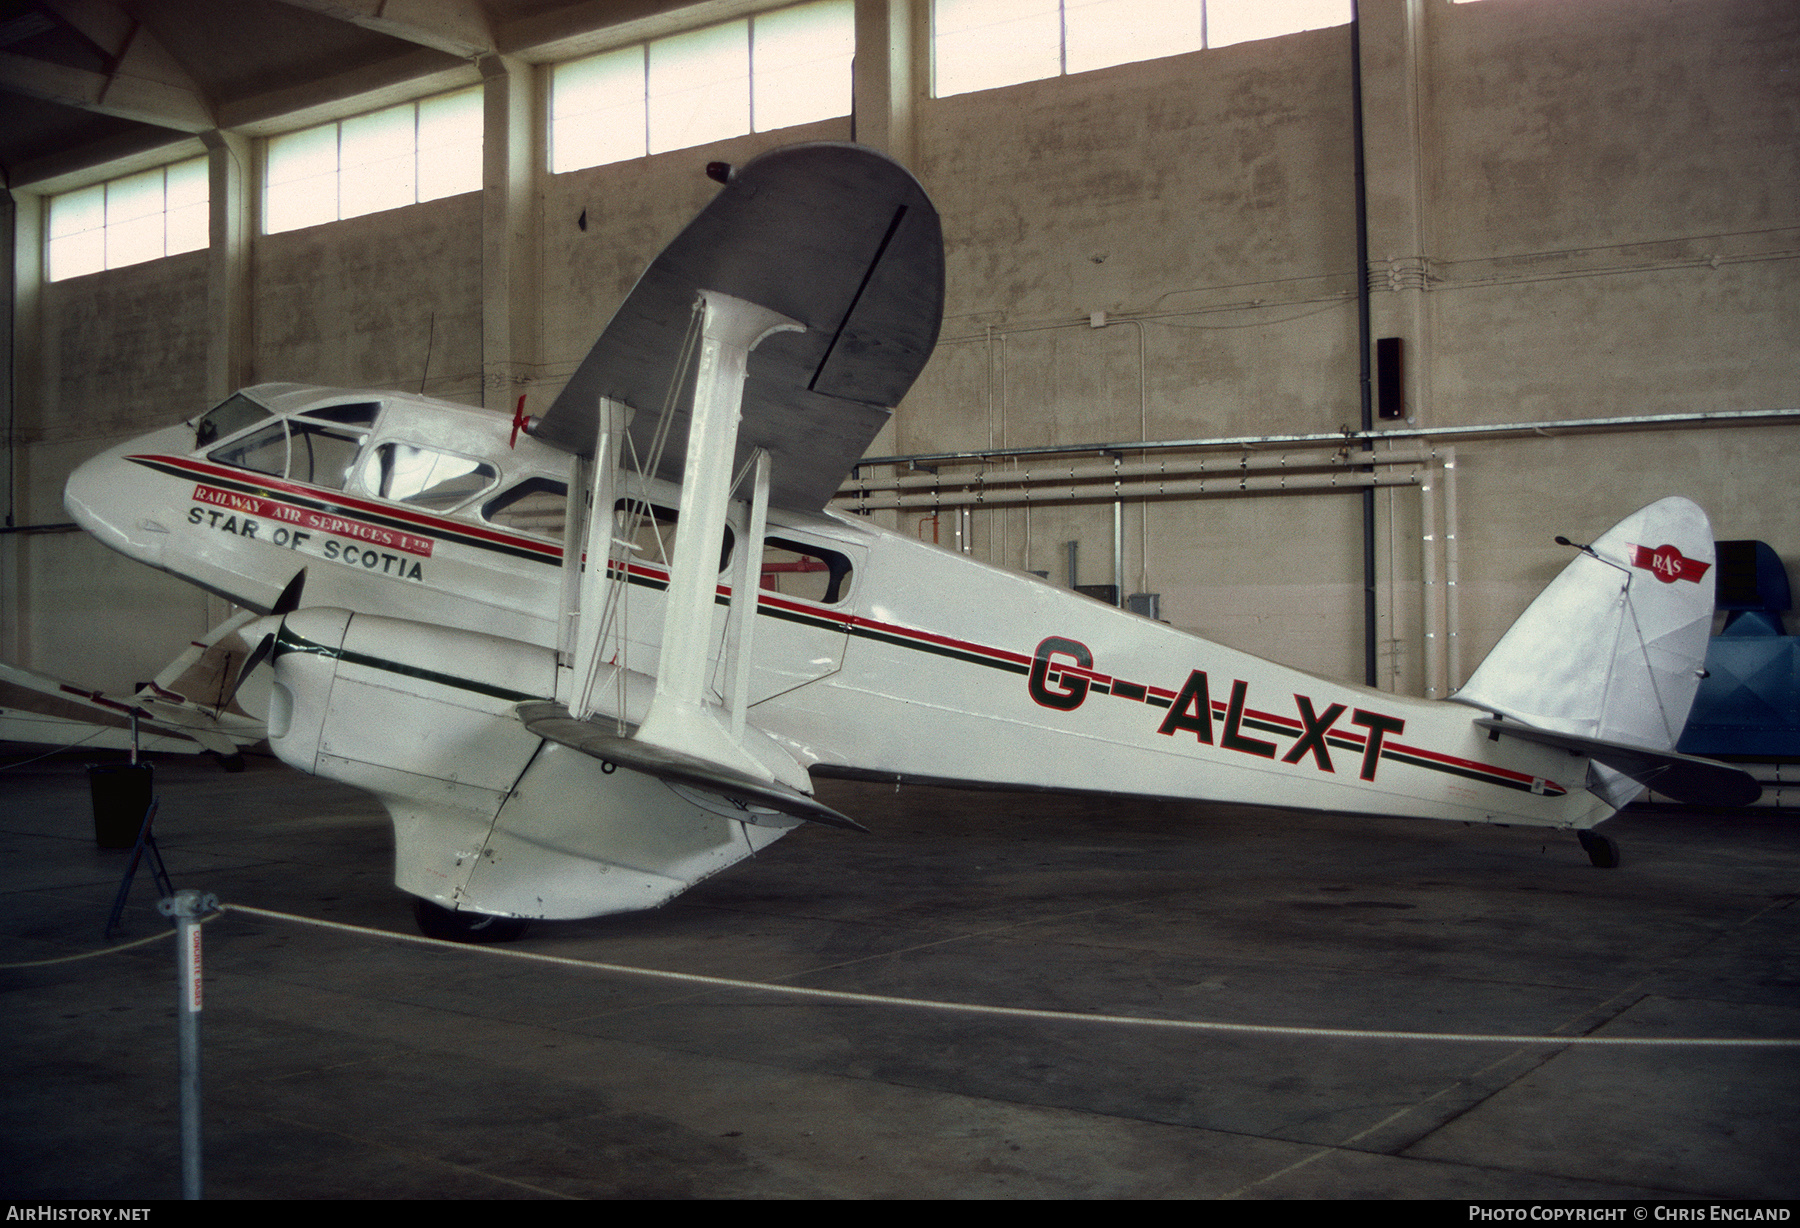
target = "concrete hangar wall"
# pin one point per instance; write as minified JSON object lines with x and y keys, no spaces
{"x":1576,"y":211}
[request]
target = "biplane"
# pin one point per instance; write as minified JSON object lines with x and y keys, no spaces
{"x":587,"y":659}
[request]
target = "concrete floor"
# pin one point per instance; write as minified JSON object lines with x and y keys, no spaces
{"x":343,"y":1066}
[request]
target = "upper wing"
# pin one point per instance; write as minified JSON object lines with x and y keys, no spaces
{"x":837,"y":237}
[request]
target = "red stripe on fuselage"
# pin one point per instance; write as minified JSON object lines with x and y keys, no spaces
{"x":349,"y":503}
{"x":846,"y":621}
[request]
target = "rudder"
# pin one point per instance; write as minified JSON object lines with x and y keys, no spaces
{"x":1613,"y":649}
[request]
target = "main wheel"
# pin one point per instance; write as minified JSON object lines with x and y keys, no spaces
{"x":1601,"y":851}
{"x":461,"y":925}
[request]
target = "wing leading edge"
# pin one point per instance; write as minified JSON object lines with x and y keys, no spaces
{"x":837,"y":237}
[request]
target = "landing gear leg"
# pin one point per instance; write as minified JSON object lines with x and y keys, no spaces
{"x":1600,"y":850}
{"x":454,"y":925}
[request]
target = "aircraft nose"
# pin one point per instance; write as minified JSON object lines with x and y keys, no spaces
{"x":91,"y":497}
{"x":124,"y":503}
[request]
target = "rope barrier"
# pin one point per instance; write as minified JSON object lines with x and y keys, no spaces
{"x":124,"y":946}
{"x":1020,"y":1012}
{"x":69,"y":959}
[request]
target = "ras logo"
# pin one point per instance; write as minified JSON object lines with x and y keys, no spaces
{"x":1668,"y":564}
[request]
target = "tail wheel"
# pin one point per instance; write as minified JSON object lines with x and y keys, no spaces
{"x":461,"y":925}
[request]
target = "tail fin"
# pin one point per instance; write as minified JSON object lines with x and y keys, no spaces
{"x":1613,"y":649}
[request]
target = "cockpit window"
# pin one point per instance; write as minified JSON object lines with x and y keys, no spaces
{"x":298,"y":451}
{"x":359,"y":413}
{"x":228,"y":418}
{"x":536,"y":505}
{"x":425,"y":477}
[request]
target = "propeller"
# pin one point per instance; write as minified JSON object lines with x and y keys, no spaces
{"x":520,"y":422}
{"x":289,"y":601}
{"x":256,"y":658}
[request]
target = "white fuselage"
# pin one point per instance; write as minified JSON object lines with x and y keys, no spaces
{"x":927,"y":666}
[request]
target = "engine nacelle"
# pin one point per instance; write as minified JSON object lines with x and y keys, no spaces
{"x":486,"y":815}
{"x":353,"y":691}
{"x":419,"y":715}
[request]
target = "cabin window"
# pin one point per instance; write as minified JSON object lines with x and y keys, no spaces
{"x":228,"y":418}
{"x":536,"y":505}
{"x":650,"y":531}
{"x":299,"y":451}
{"x":808,"y":572}
{"x":425,"y":477}
{"x":359,"y":413}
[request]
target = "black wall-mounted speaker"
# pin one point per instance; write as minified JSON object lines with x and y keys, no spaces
{"x":1390,"y":399}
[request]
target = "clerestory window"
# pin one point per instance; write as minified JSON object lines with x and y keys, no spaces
{"x":773,"y":70}
{"x":128,"y":221}
{"x":404,"y":155}
{"x":984,"y":44}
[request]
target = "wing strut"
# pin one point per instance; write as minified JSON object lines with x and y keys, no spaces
{"x":576,"y":522}
{"x":679,"y":718}
{"x":588,"y":548}
{"x":740,"y":630}
{"x":683,"y":737}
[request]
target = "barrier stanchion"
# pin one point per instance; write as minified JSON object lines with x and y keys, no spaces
{"x":188,"y":907}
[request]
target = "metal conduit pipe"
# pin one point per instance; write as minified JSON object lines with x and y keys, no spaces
{"x":1441,"y":611}
{"x":60,"y":526}
{"x":1255,"y":462}
{"x":1143,"y":433}
{"x":1364,"y":336}
{"x":1118,"y":552}
{"x":1192,"y":488}
{"x":1428,"y":568}
{"x":1495,"y":430}
{"x":1452,"y":564}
